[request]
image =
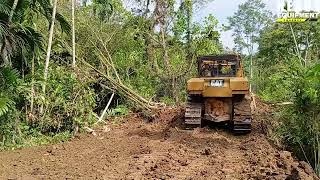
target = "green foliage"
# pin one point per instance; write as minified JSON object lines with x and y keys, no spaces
{"x":9,"y":103}
{"x":206,"y":37}
{"x":167,"y":100}
{"x":277,"y":45}
{"x":5,"y":105}
{"x":18,"y":37}
{"x":274,"y":84}
{"x":68,"y":105}
{"x":120,"y":110}
{"x":8,"y":82}
{"x":32,"y":137}
{"x":287,"y":70}
{"x":127,"y":42}
{"x":301,"y":122}
{"x":278,"y":64}
{"x":103,"y":9}
{"x":68,"y":102}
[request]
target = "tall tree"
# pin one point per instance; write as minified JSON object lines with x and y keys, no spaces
{"x":46,"y":68}
{"x":14,"y":6}
{"x":246,"y":25}
{"x":73,"y":37}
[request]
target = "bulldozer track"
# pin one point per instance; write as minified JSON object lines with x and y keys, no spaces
{"x":193,"y":112}
{"x":242,"y":117}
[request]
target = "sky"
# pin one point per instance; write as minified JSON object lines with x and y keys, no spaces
{"x":222,"y":9}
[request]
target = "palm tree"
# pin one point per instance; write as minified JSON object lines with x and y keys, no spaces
{"x":19,"y":40}
{"x":17,"y":36}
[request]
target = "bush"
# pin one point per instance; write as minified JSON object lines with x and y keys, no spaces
{"x":67,"y":106}
{"x":274,"y":83}
{"x":301,"y":122}
{"x":9,"y":102}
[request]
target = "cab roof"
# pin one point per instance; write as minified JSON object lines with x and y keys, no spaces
{"x":226,"y":57}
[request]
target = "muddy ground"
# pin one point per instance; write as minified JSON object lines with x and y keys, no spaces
{"x":134,"y":149}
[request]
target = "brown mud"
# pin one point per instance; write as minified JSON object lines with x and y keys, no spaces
{"x":159,"y":150}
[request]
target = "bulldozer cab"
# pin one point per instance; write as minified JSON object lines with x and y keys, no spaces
{"x":220,"y":66}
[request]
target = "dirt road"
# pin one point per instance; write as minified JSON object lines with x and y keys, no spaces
{"x":159,"y":150}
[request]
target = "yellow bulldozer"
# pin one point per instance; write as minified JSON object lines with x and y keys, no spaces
{"x":219,"y":94}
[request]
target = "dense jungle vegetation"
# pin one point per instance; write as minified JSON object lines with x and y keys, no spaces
{"x":142,"y":52}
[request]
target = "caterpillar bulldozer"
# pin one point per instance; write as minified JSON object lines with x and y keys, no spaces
{"x":219,"y":94}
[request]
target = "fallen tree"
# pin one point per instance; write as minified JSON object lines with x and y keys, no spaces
{"x":111,"y":80}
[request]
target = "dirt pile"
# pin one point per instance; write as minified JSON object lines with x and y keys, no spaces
{"x":264,"y":118}
{"x":158,"y":150}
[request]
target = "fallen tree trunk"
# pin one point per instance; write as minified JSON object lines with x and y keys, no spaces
{"x":115,"y":85}
{"x":114,"y":81}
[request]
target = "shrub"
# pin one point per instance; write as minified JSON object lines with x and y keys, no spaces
{"x":301,"y":122}
{"x":67,"y":104}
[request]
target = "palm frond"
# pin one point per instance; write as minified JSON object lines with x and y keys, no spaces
{"x":4,"y":31}
{"x":5,"y":105}
{"x":8,"y":80}
{"x":8,"y":76}
{"x":46,"y":10}
{"x":20,"y":11}
{"x":9,"y":46}
{"x":10,"y":42}
{"x":64,"y":24}
{"x":4,"y":8}
{"x":18,"y":40}
{"x":30,"y":37}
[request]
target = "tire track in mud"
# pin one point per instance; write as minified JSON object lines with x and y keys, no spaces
{"x":158,"y":150}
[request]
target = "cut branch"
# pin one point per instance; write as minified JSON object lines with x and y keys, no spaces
{"x":124,"y":90}
{"x":105,"y":109}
